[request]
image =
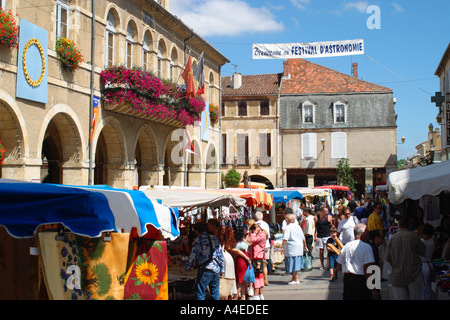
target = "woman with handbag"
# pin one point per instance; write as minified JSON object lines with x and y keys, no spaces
{"x":242,"y":263}
{"x":258,"y":243}
{"x":293,"y":244}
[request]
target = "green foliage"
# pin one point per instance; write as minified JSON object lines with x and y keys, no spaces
{"x":401,"y":163}
{"x":232,"y":178}
{"x":344,"y":174}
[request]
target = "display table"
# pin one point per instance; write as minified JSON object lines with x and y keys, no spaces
{"x":442,"y":279}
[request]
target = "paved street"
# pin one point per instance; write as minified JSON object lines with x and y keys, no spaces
{"x":314,"y":285}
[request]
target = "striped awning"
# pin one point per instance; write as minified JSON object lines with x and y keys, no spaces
{"x":85,"y":210}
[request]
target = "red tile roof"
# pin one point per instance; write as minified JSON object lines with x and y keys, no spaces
{"x":253,"y":85}
{"x":308,"y":77}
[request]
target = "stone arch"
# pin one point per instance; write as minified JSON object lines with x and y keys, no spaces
{"x":212,"y":170}
{"x":13,"y":131}
{"x":63,"y":146}
{"x":14,"y":137}
{"x":148,"y":50}
{"x":262,"y":179}
{"x":114,"y":10}
{"x":173,"y":158}
{"x":146,"y":157}
{"x":195,"y":160}
{"x":161,"y":57}
{"x":110,"y":153}
{"x":211,"y":157}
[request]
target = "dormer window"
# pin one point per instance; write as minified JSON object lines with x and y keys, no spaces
{"x":340,"y":112}
{"x":308,"y":112}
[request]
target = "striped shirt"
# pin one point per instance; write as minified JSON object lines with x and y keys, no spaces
{"x":403,"y":251}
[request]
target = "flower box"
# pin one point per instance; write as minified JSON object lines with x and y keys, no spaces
{"x":149,"y":97}
{"x":9,"y":30}
{"x":69,"y":53}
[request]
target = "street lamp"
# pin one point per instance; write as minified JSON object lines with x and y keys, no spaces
{"x":439,"y":118}
{"x":430,"y":127}
{"x":322,"y":141}
{"x":403,"y":140}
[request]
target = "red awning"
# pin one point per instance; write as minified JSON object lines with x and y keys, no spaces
{"x":334,"y":187}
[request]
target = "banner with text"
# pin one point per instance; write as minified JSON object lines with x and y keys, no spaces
{"x":308,"y":49}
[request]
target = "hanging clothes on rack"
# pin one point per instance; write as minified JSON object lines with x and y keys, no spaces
{"x":430,"y":206}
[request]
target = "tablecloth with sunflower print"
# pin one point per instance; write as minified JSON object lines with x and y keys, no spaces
{"x":147,"y":275}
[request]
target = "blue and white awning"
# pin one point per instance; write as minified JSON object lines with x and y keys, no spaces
{"x":85,"y":210}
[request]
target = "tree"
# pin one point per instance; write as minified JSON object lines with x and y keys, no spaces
{"x":401,"y":163}
{"x":232,"y":178}
{"x":344,"y":174}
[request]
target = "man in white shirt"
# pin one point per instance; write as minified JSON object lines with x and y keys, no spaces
{"x":264,"y":226}
{"x":355,"y":258}
{"x":310,"y":229}
{"x":346,"y":226}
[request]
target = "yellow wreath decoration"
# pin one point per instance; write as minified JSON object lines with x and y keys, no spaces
{"x":24,"y":62}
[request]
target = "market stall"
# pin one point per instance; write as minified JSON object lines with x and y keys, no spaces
{"x":232,"y":206}
{"x":427,"y":187}
{"x":71,"y":231}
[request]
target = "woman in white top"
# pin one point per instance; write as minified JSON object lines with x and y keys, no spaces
{"x":292,"y":248}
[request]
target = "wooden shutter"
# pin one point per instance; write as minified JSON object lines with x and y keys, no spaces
{"x":339,"y":145}
{"x":309,"y":145}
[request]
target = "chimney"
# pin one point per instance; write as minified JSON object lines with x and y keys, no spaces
{"x":236,"y":80}
{"x":355,"y":69}
{"x":286,"y":69}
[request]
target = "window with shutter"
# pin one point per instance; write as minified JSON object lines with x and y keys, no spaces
{"x":242,"y":108}
{"x":242,"y":149}
{"x":338,"y":145}
{"x":264,"y":149}
{"x":309,"y":145}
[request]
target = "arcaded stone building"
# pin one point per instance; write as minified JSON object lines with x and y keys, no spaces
{"x":46,"y":133}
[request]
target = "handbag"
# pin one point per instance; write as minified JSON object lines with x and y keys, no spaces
{"x":307,"y":263}
{"x":258,"y":265}
{"x":249,"y":275}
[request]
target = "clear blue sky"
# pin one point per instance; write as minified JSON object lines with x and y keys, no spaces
{"x":409,"y":45}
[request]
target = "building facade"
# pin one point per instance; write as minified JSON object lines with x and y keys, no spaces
{"x":442,"y":100}
{"x":47,"y":135}
{"x":250,"y":140}
{"x":325,"y":116}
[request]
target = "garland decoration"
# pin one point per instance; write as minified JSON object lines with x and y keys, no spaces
{"x":31,"y":82}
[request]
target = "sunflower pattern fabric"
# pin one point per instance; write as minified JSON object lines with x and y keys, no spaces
{"x":147,"y":275}
{"x":104,"y":266}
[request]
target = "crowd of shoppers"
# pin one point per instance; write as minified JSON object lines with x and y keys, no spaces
{"x":359,"y":230}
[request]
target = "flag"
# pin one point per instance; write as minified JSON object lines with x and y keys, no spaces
{"x":189,"y":146}
{"x":188,"y":77}
{"x":94,"y":117}
{"x":199,"y":75}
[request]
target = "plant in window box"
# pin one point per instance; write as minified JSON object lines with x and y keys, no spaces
{"x":2,"y":153}
{"x":213,"y":113}
{"x":144,"y":92}
{"x":69,"y":53}
{"x":9,"y":30}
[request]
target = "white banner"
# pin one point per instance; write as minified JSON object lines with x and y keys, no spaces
{"x":308,"y":49}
